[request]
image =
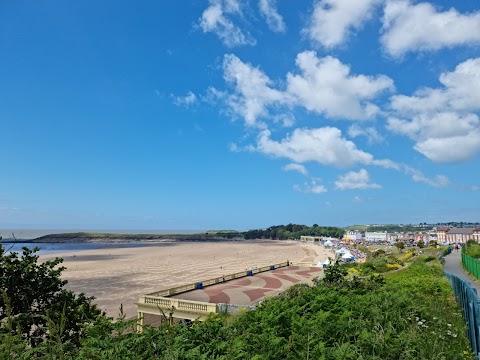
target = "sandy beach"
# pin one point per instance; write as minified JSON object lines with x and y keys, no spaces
{"x":119,"y":275}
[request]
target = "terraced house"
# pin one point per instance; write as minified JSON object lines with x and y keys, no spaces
{"x":458,"y":235}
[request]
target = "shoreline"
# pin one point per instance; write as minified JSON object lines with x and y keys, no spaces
{"x":118,"y":275}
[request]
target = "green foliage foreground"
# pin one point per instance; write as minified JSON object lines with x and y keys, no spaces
{"x":472,"y":249}
{"x":409,"y":314}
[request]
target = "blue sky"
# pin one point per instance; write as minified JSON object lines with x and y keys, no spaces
{"x":238,"y":114}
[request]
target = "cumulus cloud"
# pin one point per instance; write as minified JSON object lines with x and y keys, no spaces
{"x":325,"y":85}
{"x":460,"y":92}
{"x":442,"y":121}
{"x":322,"y":145}
{"x":326,"y":146}
{"x":310,"y":188}
{"x":216,"y":19}
{"x":268,"y":8}
{"x":186,"y":100}
{"x":253,"y":90}
{"x":355,"y":180}
{"x":332,"y":21}
{"x":413,"y":27}
{"x":451,"y":149}
{"x":370,"y":133}
{"x":296,"y":167}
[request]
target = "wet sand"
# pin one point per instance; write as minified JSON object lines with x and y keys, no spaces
{"x":119,"y":275}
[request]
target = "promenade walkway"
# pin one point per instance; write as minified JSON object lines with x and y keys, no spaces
{"x":453,"y":265}
{"x":248,"y":290}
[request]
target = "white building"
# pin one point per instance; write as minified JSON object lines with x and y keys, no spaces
{"x":352,"y":235}
{"x":310,"y":238}
{"x":376,"y":236}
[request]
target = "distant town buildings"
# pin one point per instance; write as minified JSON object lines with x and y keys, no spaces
{"x":352,"y":235}
{"x":458,"y":235}
{"x":375,"y":236}
{"x":310,"y":238}
{"x":441,"y":235}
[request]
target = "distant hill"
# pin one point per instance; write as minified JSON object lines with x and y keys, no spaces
{"x":81,"y":237}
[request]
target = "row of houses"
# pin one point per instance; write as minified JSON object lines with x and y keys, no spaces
{"x":442,"y":235}
{"x":451,"y":235}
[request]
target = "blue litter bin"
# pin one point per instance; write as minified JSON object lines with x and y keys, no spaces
{"x":324,"y":266}
{"x":272,"y":267}
{"x":249,"y":272}
{"x":199,"y":285}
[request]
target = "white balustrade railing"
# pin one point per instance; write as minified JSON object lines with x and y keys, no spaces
{"x":189,"y":287}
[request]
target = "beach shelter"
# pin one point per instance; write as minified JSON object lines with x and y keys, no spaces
{"x":326,"y":263}
{"x":328,"y":243}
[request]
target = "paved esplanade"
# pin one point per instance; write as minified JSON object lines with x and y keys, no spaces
{"x":453,"y":265}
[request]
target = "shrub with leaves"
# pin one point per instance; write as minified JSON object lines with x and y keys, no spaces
{"x":37,"y":305}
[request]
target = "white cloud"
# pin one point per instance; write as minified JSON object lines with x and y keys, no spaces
{"x":460,"y":92}
{"x":370,"y":133}
{"x":326,"y":86}
{"x":357,"y":199}
{"x":310,"y":188}
{"x":332,"y":21}
{"x":439,"y":181}
{"x":274,"y":20}
{"x":231,"y":6}
{"x":442,"y":121}
{"x":326,"y":146}
{"x":440,"y":125}
{"x":451,"y":149}
{"x":323,"y":145}
{"x":286,"y":119}
{"x":296,"y":167}
{"x":412,"y":27}
{"x":253,"y":90}
{"x":186,"y":100}
{"x":355,"y":180}
{"x":214,"y":19}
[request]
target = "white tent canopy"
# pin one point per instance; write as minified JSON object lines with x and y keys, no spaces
{"x":328,"y":243}
{"x":341,"y":251}
{"x":347,"y":255}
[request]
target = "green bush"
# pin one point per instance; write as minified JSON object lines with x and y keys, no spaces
{"x":389,"y":317}
{"x":34,"y":300}
{"x":472,"y":249}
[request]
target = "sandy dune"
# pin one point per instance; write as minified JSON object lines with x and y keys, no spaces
{"x":119,"y":275}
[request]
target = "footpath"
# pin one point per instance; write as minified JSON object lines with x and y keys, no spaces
{"x":453,"y":265}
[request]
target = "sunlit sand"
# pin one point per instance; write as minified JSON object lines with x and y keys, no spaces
{"x":119,"y":275}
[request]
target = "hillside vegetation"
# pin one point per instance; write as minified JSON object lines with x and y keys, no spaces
{"x":405,"y":314}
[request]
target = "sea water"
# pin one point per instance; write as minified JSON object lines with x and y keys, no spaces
{"x":18,"y":237}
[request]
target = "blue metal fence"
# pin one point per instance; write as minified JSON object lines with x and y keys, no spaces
{"x":468,"y":298}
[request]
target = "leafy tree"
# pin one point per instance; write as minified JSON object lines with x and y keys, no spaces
{"x":400,"y":245}
{"x":421,"y":244}
{"x":335,"y":274}
{"x":34,"y":299}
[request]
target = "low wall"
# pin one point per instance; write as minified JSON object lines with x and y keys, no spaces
{"x":204,"y":283}
{"x":160,"y":301}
